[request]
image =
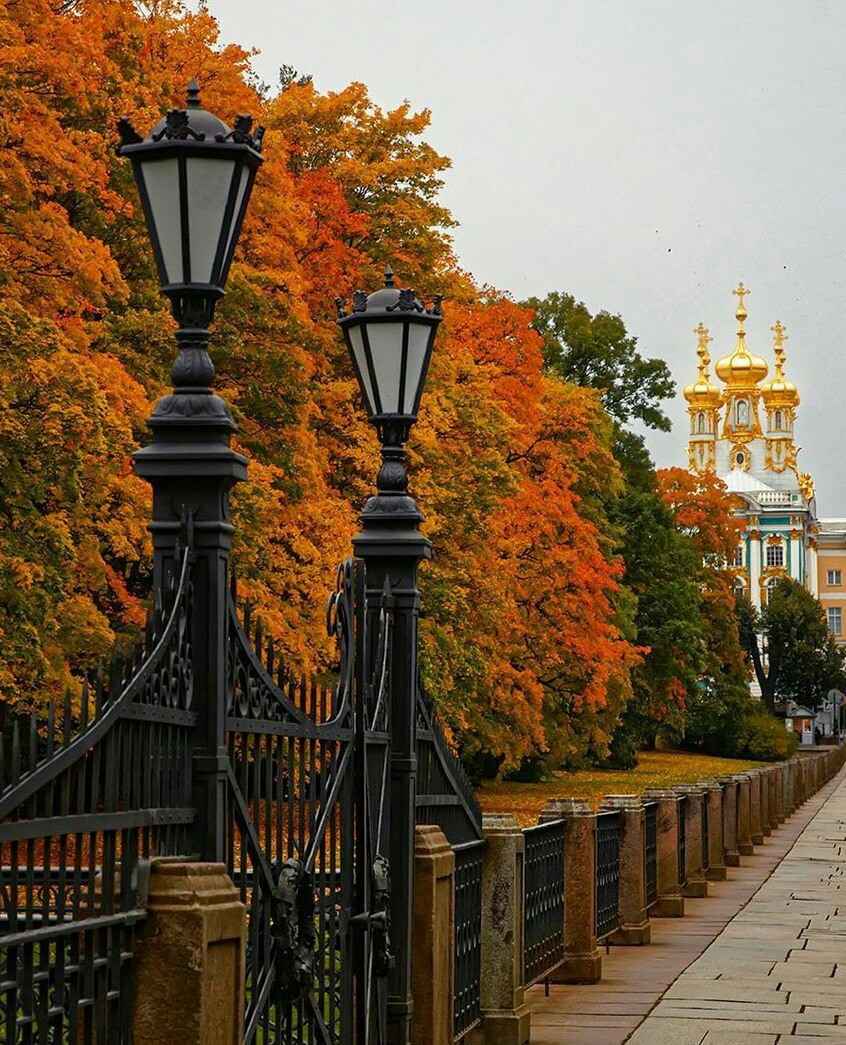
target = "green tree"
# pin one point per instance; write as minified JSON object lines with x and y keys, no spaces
{"x":598,"y":352}
{"x":802,"y":661}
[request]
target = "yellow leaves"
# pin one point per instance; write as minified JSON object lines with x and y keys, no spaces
{"x":655,"y":769}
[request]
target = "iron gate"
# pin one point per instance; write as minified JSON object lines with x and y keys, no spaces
{"x":90,"y":795}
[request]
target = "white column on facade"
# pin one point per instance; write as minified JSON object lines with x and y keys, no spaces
{"x":755,"y":567}
{"x":813,"y":575}
{"x":798,"y":567}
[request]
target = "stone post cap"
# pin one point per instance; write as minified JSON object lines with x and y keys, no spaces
{"x":660,"y":793}
{"x":500,"y":823}
{"x":690,"y":789}
{"x":621,"y":802}
{"x":710,"y":785}
{"x":559,"y":808}
{"x":430,"y":839}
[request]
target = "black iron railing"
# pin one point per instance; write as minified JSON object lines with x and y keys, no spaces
{"x":607,"y":873}
{"x":543,"y":900}
{"x":706,"y":838}
{"x":650,"y":852}
{"x":468,"y":935}
{"x":445,"y":797}
{"x":682,"y":814}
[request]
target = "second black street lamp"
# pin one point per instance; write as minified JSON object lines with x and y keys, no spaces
{"x":390,"y":335}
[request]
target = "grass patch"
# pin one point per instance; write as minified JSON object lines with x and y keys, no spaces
{"x":654,"y":769}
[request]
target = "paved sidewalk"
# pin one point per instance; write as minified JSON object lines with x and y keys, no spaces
{"x":777,"y":972}
{"x":636,"y":978}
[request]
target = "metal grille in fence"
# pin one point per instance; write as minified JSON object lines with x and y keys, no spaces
{"x":682,"y":815}
{"x":543,"y":900}
{"x":650,"y":853}
{"x":706,"y":844}
{"x":607,"y":873}
{"x":468,"y":935}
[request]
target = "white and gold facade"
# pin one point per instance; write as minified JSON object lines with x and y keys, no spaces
{"x":744,"y":432}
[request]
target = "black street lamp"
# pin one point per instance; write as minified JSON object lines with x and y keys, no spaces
{"x":389,"y":336}
{"x":195,"y":176}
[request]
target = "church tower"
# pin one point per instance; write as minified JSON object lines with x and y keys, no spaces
{"x":741,"y":442}
{"x":744,"y":434}
{"x":703,"y":405}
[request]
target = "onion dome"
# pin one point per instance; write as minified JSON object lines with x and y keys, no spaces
{"x":779,"y":391}
{"x":741,"y":369}
{"x":702,"y":393}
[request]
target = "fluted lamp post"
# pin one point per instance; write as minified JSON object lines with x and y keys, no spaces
{"x":195,"y":175}
{"x":390,"y":335}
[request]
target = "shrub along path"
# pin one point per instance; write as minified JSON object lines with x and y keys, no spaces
{"x":743,"y":973}
{"x":654,"y":769}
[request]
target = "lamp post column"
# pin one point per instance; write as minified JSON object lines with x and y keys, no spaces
{"x":392,"y":547}
{"x":191,"y":468}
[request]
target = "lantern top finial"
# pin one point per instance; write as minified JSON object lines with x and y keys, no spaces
{"x":389,"y":275}
{"x":192,"y":99}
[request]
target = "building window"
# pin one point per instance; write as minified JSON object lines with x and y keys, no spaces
{"x":700,"y":422}
{"x":834,"y":578}
{"x":738,"y":556}
{"x":778,"y":420}
{"x":775,"y":555}
{"x":742,"y":412}
{"x":835,"y":620}
{"x":740,"y":459}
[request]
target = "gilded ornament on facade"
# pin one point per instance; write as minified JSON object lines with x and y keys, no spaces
{"x":806,"y":486}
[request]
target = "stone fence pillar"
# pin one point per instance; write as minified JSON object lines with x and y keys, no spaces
{"x":670,"y":902}
{"x":764,"y":785}
{"x":189,"y":958}
{"x":756,"y":832}
{"x":744,"y":815}
{"x":779,"y":793}
{"x":696,"y":883}
{"x":716,"y":846}
{"x":433,"y":950}
{"x":772,"y":808}
{"x":730,"y":820}
{"x":505,"y":1015}
{"x":789,"y":804}
{"x":582,"y":960}
{"x":634,"y":921}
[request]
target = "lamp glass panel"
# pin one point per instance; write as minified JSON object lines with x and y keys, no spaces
{"x":243,"y":174}
{"x":161,"y":180}
{"x":208,"y":181}
{"x":386,"y":351}
{"x":360,"y":357}
{"x":418,"y":341}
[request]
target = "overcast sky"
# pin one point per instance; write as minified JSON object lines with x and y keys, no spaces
{"x":644,"y":156}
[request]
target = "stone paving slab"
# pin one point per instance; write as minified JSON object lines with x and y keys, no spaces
{"x":729,"y":943}
{"x":795,"y":917}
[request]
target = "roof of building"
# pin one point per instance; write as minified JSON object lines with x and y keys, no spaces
{"x":738,"y":481}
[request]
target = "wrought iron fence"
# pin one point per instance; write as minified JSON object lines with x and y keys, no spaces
{"x":445,"y":797}
{"x":105,"y":788}
{"x":607,"y":873}
{"x":681,"y":806}
{"x":543,"y":900}
{"x":468,"y":935}
{"x":650,"y":852}
{"x":706,"y":837}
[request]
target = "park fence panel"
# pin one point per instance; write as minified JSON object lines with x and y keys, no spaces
{"x":543,"y":900}
{"x":650,"y":852}
{"x":607,"y":873}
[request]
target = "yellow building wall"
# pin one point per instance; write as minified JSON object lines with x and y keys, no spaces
{"x":831,"y":558}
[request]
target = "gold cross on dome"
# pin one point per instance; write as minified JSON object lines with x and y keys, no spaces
{"x":780,"y":333}
{"x":703,"y":335}
{"x":741,"y":292}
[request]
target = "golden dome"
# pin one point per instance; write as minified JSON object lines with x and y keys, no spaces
{"x":780,"y":391}
{"x":702,"y":393}
{"x":741,"y":369}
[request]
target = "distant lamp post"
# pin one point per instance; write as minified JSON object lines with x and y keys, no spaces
{"x":390,"y":336}
{"x":194,"y":176}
